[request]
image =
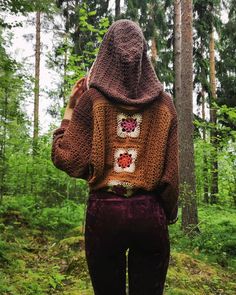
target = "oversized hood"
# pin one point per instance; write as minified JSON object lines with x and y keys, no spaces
{"x":122,"y":70}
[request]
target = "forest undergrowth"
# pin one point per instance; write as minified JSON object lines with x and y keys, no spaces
{"x":42,"y":251}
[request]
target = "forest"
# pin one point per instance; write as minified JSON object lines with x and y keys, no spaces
{"x":192,"y":47}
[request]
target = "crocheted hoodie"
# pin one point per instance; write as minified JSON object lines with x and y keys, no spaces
{"x":122,"y":135}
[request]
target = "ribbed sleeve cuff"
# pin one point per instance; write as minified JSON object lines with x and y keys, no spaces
{"x":58,"y":132}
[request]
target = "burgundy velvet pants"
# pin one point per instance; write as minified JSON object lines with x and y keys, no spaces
{"x":115,"y":224}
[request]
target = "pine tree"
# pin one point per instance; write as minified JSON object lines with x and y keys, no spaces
{"x":213,"y":131}
{"x":226,"y":65}
{"x":177,"y":50}
{"x":185,"y":112}
{"x":206,"y":19}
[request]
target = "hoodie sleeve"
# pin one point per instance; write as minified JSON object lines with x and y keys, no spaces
{"x":169,"y":184}
{"x":71,"y":143}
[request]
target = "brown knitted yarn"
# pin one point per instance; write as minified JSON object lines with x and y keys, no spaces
{"x":122,"y":70}
{"x":131,"y":144}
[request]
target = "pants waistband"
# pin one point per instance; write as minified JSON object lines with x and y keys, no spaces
{"x":105,"y":194}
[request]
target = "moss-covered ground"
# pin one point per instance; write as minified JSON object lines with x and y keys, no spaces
{"x":38,"y":259}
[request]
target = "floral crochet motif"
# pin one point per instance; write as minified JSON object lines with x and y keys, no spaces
{"x":125,"y":160}
{"x":128,"y":125}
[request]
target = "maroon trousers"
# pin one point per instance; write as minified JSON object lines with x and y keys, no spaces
{"x":115,"y":224}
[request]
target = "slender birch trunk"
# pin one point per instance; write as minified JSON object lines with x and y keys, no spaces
{"x":36,"y":87}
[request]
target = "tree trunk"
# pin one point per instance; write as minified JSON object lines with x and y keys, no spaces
{"x":213,"y":133}
{"x":177,"y":50}
{"x":117,"y":9}
{"x":65,"y":64}
{"x":204,"y":132}
{"x":65,"y":71}
{"x":77,"y":35}
{"x":185,"y":112}
{"x":36,"y":87}
{"x":154,"y":51}
{"x":3,"y":164}
{"x":205,"y":161}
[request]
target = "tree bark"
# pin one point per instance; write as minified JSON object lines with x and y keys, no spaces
{"x":177,"y":50}
{"x":213,"y":133}
{"x":65,"y":64}
{"x":65,"y":70}
{"x":204,"y":131}
{"x":117,"y":9}
{"x":3,"y":159}
{"x":36,"y":87}
{"x":186,"y":130}
{"x":205,"y":161}
{"x":154,"y":51}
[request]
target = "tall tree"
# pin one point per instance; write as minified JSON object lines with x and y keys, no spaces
{"x":117,"y":9}
{"x":226,"y":66}
{"x":213,"y":132}
{"x":177,"y":49}
{"x":12,"y":118}
{"x":154,"y":50}
{"x":205,"y":161}
{"x":37,"y":82}
{"x":185,"y":113}
{"x":207,"y":19}
{"x":155,"y":19}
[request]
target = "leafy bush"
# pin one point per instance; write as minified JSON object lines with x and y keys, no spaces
{"x":217,"y":237}
{"x":31,"y":211}
{"x":60,"y":218}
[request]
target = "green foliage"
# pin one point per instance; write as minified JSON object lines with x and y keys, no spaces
{"x":24,"y":6}
{"x":188,"y":275}
{"x":62,"y":218}
{"x":53,"y":264}
{"x":206,"y":18}
{"x":226,"y":170}
{"x":30,"y":245}
{"x":16,"y":7}
{"x":42,"y":209}
{"x":156,"y":20}
{"x":226,"y":64}
{"x":31,"y":210}
{"x":216,"y":240}
{"x":75,"y":54}
{"x":79,"y":63}
{"x":12,"y":92}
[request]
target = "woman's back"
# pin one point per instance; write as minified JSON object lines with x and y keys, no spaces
{"x":122,"y":138}
{"x":123,"y":135}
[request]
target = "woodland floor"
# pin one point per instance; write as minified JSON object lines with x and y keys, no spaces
{"x":36,"y":261}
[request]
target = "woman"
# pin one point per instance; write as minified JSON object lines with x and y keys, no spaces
{"x":121,"y":137}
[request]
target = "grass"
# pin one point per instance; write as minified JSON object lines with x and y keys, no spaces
{"x":41,"y":256}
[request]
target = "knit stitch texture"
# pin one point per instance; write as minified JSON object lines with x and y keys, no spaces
{"x":122,"y":70}
{"x":123,"y":132}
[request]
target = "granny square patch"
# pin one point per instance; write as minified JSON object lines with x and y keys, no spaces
{"x":128,"y":126}
{"x":125,"y":160}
